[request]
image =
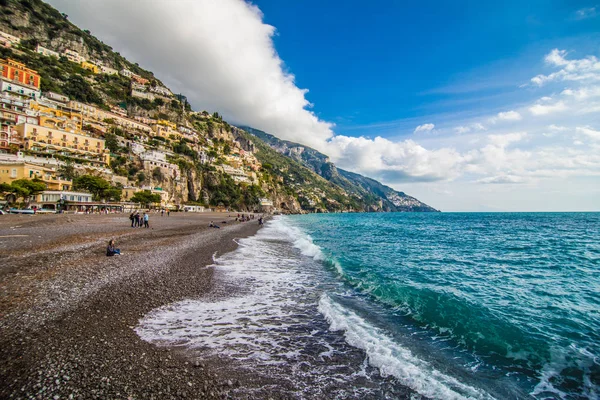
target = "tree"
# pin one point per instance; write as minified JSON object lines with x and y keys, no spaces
{"x":67,"y":171}
{"x":146,"y":197}
{"x":226,"y":149}
{"x":111,"y":142}
{"x":141,"y":177}
{"x":26,"y":188}
{"x":93,"y":184}
{"x":157,"y":174}
{"x":158,"y":102}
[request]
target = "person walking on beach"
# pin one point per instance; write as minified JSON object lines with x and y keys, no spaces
{"x":146,"y":218}
{"x":162,"y":212}
{"x":111,"y":250}
{"x":132,"y":219}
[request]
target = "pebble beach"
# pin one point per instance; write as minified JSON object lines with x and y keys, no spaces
{"x":68,"y":312}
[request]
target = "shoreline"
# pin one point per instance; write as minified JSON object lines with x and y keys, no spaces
{"x":67,"y":311}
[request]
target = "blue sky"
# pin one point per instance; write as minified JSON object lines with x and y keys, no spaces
{"x":468,"y":106}
{"x":390,"y":61}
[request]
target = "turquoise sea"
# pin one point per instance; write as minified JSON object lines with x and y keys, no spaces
{"x":438,"y":305}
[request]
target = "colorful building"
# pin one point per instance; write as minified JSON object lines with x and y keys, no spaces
{"x":19,"y":73}
{"x":11,"y":171}
{"x":90,"y":67}
{"x":9,"y":138}
{"x":55,"y":141}
{"x":55,"y":116}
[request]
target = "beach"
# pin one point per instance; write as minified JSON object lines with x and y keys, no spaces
{"x":68,"y":312}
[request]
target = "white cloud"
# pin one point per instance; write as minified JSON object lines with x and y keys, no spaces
{"x":220,"y":54}
{"x":424,"y":128}
{"x":557,"y":128}
{"x":584,"y":13}
{"x":509,"y":116}
{"x":542,"y":109}
{"x":502,"y":179}
{"x":584,"y":69}
{"x":588,"y":131}
{"x":469,"y":128}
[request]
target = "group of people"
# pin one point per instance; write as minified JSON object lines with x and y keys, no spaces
{"x":138,"y":221}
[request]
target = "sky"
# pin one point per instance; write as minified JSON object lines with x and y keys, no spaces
{"x":466,"y":105}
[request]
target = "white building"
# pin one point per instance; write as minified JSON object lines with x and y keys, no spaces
{"x":73,"y":56}
{"x":161,"y":90}
{"x":56,"y":97}
{"x":46,"y":52}
{"x":8,"y":40}
{"x":157,"y":159}
{"x":19,"y":88}
{"x":126,"y":73}
{"x":142,"y":95}
{"x":108,"y":70}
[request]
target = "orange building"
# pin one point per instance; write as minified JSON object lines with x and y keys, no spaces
{"x":18,"y":72}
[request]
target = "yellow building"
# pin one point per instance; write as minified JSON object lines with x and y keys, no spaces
{"x":55,"y":141}
{"x":58,"y":117}
{"x":11,"y":171}
{"x":165,"y":130}
{"x":165,"y":122}
{"x":90,"y":67}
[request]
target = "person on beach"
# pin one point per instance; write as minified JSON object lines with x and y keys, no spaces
{"x":146,"y":219}
{"x":111,"y":250}
{"x":162,"y":212}
{"x":136,"y":220}
{"x":212,"y":225}
{"x":131,"y":218}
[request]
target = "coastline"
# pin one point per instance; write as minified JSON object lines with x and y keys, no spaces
{"x":68,"y":311}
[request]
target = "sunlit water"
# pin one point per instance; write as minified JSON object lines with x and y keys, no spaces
{"x":452,"y":306}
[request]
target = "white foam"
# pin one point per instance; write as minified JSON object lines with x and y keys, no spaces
{"x":392,"y":359}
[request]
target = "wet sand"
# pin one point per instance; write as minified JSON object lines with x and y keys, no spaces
{"x":67,"y":311}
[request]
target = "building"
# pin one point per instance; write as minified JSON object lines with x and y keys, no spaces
{"x":57,"y":199}
{"x":238,"y":174}
{"x":46,"y":52}
{"x":18,"y":73}
{"x":161,"y":90}
{"x":157,"y":159}
{"x":265,"y":202}
{"x":9,"y":138}
{"x":90,"y":67}
{"x":14,"y":109}
{"x":108,"y":70}
{"x":142,"y":94}
{"x":11,"y":171}
{"x":126,"y":73}
{"x":8,"y":40}
{"x":57,"y":116}
{"x":73,"y":56}
{"x":139,"y":79}
{"x":164,"y":128}
{"x":55,"y":141}
{"x":7,"y":85}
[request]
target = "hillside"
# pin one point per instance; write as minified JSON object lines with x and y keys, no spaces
{"x":156,"y":142}
{"x":374,"y":195}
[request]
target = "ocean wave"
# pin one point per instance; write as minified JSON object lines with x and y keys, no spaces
{"x":393,"y":359}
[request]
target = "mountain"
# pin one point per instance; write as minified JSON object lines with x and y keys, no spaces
{"x":374,"y":195}
{"x":157,"y":141}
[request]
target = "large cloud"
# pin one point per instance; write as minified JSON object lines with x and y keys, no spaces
{"x":217,"y":52}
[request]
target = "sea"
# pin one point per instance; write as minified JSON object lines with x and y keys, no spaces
{"x":402,"y":305}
